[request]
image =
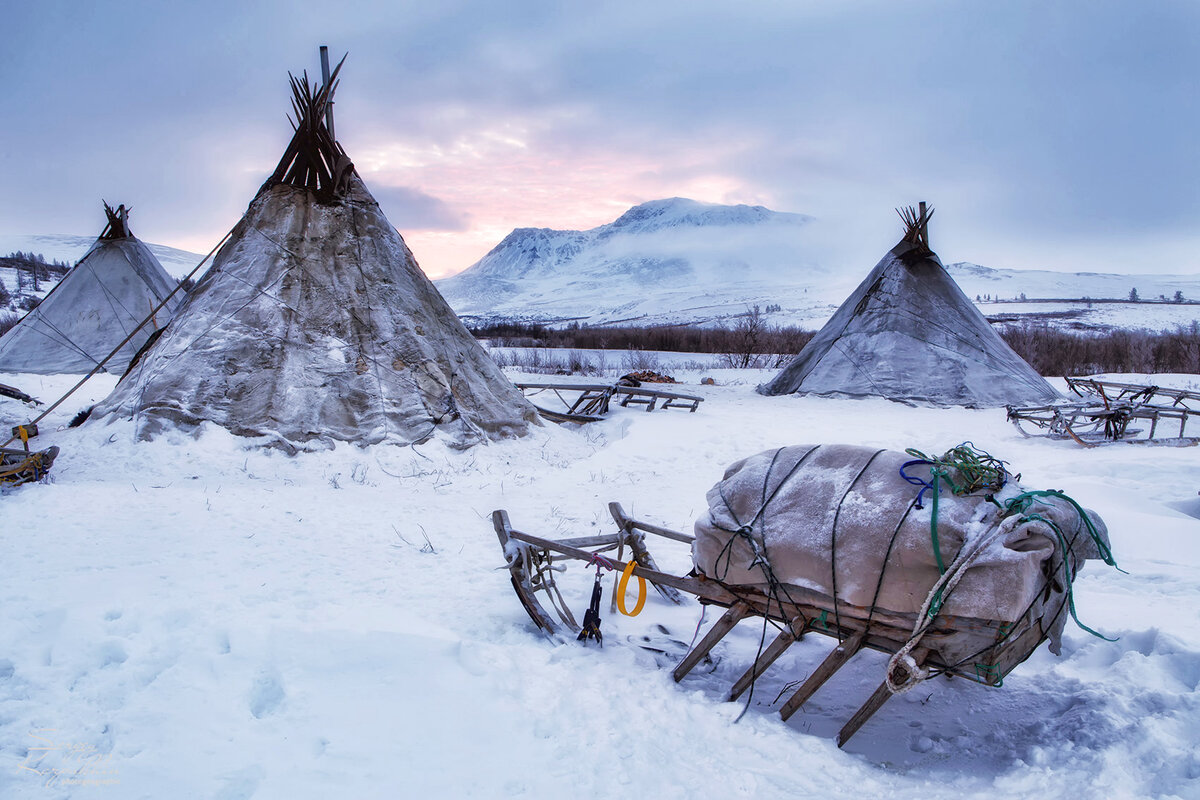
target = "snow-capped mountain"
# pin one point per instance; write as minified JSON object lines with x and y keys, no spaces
{"x":660,"y":262}
{"x":680,"y":261}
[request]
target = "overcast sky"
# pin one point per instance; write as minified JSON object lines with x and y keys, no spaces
{"x":1055,"y":135}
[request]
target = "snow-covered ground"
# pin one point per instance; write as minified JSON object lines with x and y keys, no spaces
{"x":196,"y":617}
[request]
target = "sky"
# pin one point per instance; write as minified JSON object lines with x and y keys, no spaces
{"x":1047,"y":135}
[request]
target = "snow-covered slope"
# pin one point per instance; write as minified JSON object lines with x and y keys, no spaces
{"x":660,"y":262}
{"x":678,"y":260}
{"x":62,"y":247}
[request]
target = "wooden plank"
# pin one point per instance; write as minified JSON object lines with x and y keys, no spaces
{"x":873,"y":704}
{"x":782,"y":642}
{"x":624,"y":521}
{"x":832,"y":663}
{"x":708,"y":590}
{"x":736,"y":613}
{"x":592,"y":541}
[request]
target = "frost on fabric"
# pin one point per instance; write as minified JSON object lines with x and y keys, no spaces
{"x":316,"y":324}
{"x":836,"y":519}
{"x":103,"y":299}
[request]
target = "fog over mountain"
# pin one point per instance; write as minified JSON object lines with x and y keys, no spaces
{"x":680,"y":261}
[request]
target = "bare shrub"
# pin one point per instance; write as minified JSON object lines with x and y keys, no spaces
{"x":8,"y":320}
{"x":1052,"y":351}
{"x":639,"y":361}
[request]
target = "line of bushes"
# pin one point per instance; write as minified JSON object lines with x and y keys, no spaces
{"x":752,"y":343}
{"x":749,"y":336}
{"x":1052,"y":351}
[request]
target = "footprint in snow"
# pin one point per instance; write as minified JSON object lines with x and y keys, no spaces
{"x":241,"y":785}
{"x":266,"y":695}
{"x":112,"y":654}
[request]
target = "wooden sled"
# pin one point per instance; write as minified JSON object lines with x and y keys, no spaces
{"x":1111,"y":392}
{"x":589,"y":402}
{"x":17,"y":394}
{"x":1094,"y":423}
{"x":24,"y":466}
{"x":996,"y":647}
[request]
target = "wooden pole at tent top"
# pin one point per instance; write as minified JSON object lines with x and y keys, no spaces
{"x":329,"y":100}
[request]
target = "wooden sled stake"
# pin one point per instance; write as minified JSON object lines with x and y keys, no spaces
{"x":873,"y":704}
{"x":782,"y":642}
{"x":736,"y":613}
{"x":832,"y":663}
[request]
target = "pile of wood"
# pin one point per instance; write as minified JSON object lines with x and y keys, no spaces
{"x":645,"y":376}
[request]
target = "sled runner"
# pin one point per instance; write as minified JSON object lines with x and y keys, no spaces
{"x":1114,"y":412}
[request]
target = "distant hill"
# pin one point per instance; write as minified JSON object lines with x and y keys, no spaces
{"x":680,"y":261}
{"x":63,"y":247}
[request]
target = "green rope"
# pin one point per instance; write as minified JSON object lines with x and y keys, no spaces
{"x":1021,"y":503}
{"x":989,"y":672}
{"x":977,"y":470}
{"x":933,"y":520}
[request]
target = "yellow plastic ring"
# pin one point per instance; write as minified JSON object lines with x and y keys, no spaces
{"x":623,"y":584}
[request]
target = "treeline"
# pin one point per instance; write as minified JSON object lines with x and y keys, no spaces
{"x":1052,"y":351}
{"x":31,"y":269}
{"x":750,"y":342}
{"x":755,"y":337}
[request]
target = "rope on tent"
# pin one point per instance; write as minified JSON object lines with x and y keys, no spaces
{"x":436,"y":417}
{"x":125,"y":341}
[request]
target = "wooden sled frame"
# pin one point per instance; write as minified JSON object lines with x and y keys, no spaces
{"x":531,"y":565}
{"x":1091,"y":424}
{"x":593,"y":399}
{"x":1105,"y":414}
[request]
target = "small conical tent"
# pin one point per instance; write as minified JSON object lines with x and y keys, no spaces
{"x":113,"y":288}
{"x":316,"y":324}
{"x":908,"y":333}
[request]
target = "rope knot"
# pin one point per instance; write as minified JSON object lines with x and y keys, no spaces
{"x":904,"y":673}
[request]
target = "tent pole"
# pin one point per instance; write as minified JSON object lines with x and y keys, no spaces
{"x":329,"y":101}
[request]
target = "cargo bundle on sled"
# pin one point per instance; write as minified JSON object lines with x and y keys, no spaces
{"x":946,"y":564}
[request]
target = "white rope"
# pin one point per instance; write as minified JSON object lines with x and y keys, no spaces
{"x":902,"y":661}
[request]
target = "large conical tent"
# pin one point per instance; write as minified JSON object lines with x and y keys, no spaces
{"x":908,"y":333}
{"x":316,"y":324}
{"x":112,"y":289}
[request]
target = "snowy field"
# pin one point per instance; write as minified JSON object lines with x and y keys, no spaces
{"x":197,"y":618}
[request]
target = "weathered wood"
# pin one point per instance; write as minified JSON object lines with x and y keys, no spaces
{"x":708,"y":590}
{"x":786,"y":638}
{"x":736,"y":613}
{"x":875,"y":702}
{"x":519,"y":577}
{"x":594,"y":398}
{"x":600,"y":540}
{"x":832,"y":663}
{"x":623,"y":520}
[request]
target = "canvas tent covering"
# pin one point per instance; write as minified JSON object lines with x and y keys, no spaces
{"x":316,"y":324}
{"x":908,"y":333}
{"x":103,"y":299}
{"x":841,"y":521}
